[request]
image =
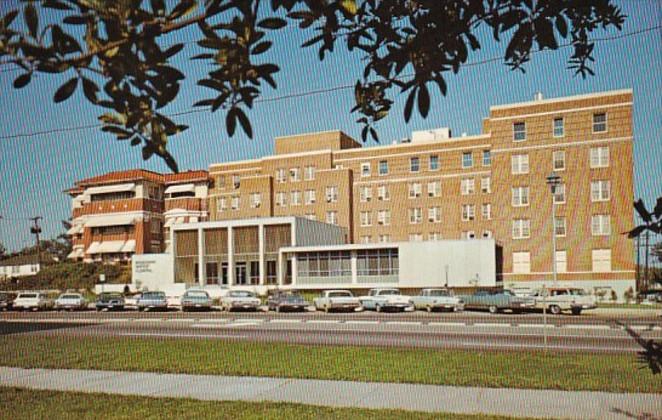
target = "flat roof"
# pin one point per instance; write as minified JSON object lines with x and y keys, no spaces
{"x":562,"y":99}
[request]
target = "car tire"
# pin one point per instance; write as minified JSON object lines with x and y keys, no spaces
{"x":326,"y":309}
{"x":429,"y":308}
{"x":278,"y":308}
{"x":493,"y":309}
{"x":576,"y":311}
{"x":378,"y":308}
{"x":555,"y":310}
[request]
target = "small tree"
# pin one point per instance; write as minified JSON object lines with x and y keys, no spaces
{"x":614,"y":296}
{"x":628,"y":295}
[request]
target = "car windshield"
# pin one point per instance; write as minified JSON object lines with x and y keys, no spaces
{"x":439,"y":292}
{"x":389,"y":292}
{"x":154,"y":295}
{"x":27,"y":295}
{"x":340,"y":294}
{"x":577,"y":292}
{"x":110,"y":296}
{"x":198,"y":294}
{"x":69,"y":297}
{"x":242,"y":294}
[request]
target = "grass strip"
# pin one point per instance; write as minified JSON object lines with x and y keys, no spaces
{"x":611,"y":373}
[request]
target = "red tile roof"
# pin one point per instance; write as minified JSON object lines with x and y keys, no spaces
{"x":188,"y":176}
{"x":138,"y":175}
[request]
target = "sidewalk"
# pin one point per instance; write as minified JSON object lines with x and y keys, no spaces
{"x":430,"y":398}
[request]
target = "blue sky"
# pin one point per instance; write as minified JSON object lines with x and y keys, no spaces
{"x":34,"y":170}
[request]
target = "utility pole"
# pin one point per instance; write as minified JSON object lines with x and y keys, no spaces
{"x":36,"y":230}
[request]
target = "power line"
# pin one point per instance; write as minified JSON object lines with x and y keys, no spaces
{"x":325,"y":90}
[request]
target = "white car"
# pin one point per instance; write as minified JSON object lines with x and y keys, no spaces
{"x":386,"y":299}
{"x":35,"y":301}
{"x":131,"y":301}
{"x":71,"y":301}
{"x":442,"y":299}
{"x":240,"y":300}
{"x":338,"y":300}
{"x":559,"y":299}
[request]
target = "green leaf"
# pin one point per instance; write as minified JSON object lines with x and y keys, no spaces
{"x":75,"y":20}
{"x":272,"y":23}
{"x":561,"y":26}
{"x":9,"y":18}
{"x":55,"y":4}
{"x":423,"y":101}
{"x":66,"y":90}
{"x":184,"y":8}
{"x":245,"y":124}
{"x":158,"y":7}
{"x":231,"y":121}
{"x":261,"y":47}
{"x":90,"y":90}
{"x":22,"y":80}
{"x":409,"y":105}
{"x":31,"y":19}
{"x":173,"y":50}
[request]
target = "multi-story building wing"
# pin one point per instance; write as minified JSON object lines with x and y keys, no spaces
{"x":122,"y":213}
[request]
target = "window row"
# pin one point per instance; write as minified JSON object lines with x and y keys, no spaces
{"x":598,"y":158}
{"x":600,"y":226}
{"x":558,"y":126}
{"x":433,"y":164}
{"x":600,"y":191}
{"x":600,"y":261}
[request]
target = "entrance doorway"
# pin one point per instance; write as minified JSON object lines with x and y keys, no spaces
{"x":240,"y":273}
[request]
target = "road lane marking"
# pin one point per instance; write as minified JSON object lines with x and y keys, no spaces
{"x":323,"y":321}
{"x":447,"y":324}
{"x":537,"y":325}
{"x":493,"y":324}
{"x":403,"y":323}
{"x":172,"y":335}
{"x":359,"y":322}
{"x":588,"y":327}
{"x":285,"y":321}
{"x":214,"y":320}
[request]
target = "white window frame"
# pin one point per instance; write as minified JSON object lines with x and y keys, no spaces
{"x":310,"y":197}
{"x":309,"y":173}
{"x":235,"y":204}
{"x":256,"y":200}
{"x":415,"y":190}
{"x":599,"y":157}
{"x":601,"y":260}
{"x":415,"y":237}
{"x":557,"y":194}
{"x":466,"y":164}
{"x":487,"y":234}
{"x":365,"y":169}
{"x":384,"y":238}
{"x":600,"y":225}
{"x":295,"y":174}
{"x":434,"y":188}
{"x":555,"y":159}
{"x":332,"y":217}
{"x":467,"y":186}
{"x":593,"y":125}
{"x":486,"y":211}
{"x":365,"y":193}
{"x":331,"y":194}
{"x":281,"y":199}
{"x":519,"y":135}
{"x":487,"y":157}
{"x":382,"y":164}
{"x":561,"y":259}
{"x":560,"y":227}
{"x":486,"y":185}
{"x":365,"y":218}
{"x":554,"y":127}
{"x":222,"y":204}
{"x":520,"y":196}
{"x":521,"y":262}
{"x":414,"y":168}
{"x":468,"y":212}
{"x":600,"y":190}
{"x":434,"y":214}
{"x":415,"y":216}
{"x":383,"y":193}
{"x":438,"y":163}
{"x":384,"y":217}
{"x":519,"y":164}
{"x":280,"y":175}
{"x":521,"y":228}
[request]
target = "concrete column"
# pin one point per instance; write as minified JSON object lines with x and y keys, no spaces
{"x":173,"y":249}
{"x":261,"y":247}
{"x":280,"y":269}
{"x":353,"y":264}
{"x":230,"y":256}
{"x":294,"y":269}
{"x":201,"y":258}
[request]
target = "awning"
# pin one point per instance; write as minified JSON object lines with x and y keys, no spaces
{"x":94,"y":248}
{"x":193,"y":219}
{"x":76,"y":253}
{"x":179,"y":188}
{"x":110,"y":247}
{"x":111,"y":220}
{"x":75,"y":229}
{"x":129,"y":246}
{"x":110,"y":189}
{"x":179,"y":220}
{"x":169,"y":222}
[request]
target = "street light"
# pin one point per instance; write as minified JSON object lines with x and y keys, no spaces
{"x":553,"y":180}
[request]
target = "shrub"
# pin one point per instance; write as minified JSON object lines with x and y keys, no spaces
{"x":71,"y":275}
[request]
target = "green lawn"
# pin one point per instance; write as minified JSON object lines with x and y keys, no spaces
{"x":612,"y":373}
{"x":20,"y":403}
{"x":655,"y":306}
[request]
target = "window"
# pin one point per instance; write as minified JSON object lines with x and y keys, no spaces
{"x":309,"y":196}
{"x":332,"y":217}
{"x":467,"y":186}
{"x":384,"y":238}
{"x":294,"y":174}
{"x":384,"y":217}
{"x":601,"y":260}
{"x":599,"y":157}
{"x":487,"y":158}
{"x":560,"y":226}
{"x":415,"y":190}
{"x":365,"y":239}
{"x":222,"y":204}
{"x":468,"y":212}
{"x":415,"y":237}
{"x":467,"y":160}
{"x":519,"y":164}
{"x":487,"y":234}
{"x":280,"y":175}
{"x":521,"y":262}
{"x":519,"y":131}
{"x":311,"y":216}
{"x":521,"y":228}
{"x":434,"y":162}
{"x":415,"y":215}
{"x":600,"y":190}
{"x":486,"y":211}
{"x":365,"y":193}
{"x":558,"y":127}
{"x":220,"y":181}
{"x":561,"y":261}
{"x":236,"y":179}
{"x":281,"y":200}
{"x":485,"y":185}
{"x":382,"y":193}
{"x":414,"y":164}
{"x":434,"y":188}
{"x":559,"y":194}
{"x":256,"y":200}
{"x":295,"y":197}
{"x":599,"y":123}
{"x":366,"y":218}
{"x":235,"y":202}
{"x":600,"y":225}
{"x":434,"y":236}
{"x":434,"y":214}
{"x":155,"y":226}
{"x":520,"y":196}
{"x":383,"y":167}
{"x":309,"y":173}
{"x":332,"y":194}
{"x":558,"y":160}
{"x":365,"y":169}
{"x":469,"y":234}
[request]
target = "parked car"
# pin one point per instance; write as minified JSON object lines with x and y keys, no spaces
{"x":386,"y":299}
{"x":36,"y":301}
{"x":240,"y":300}
{"x":559,"y":299}
{"x":71,"y":302}
{"x":110,"y":301}
{"x":441,"y":299}
{"x":498,"y":300}
{"x":7,"y":301}
{"x":281,"y":300}
{"x":152,"y":300}
{"x":196,"y":300}
{"x":131,"y":301}
{"x":337,"y":300}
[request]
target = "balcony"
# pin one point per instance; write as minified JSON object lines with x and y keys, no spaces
{"x":118,"y":206}
{"x":185,"y":203}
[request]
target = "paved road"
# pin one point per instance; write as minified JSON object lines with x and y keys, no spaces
{"x":468,"y":331}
